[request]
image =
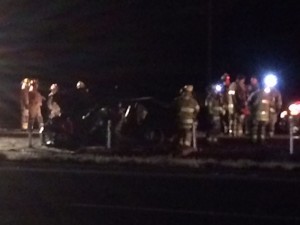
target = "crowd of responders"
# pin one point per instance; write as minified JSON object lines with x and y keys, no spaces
{"x":237,"y":109}
{"x":232,"y":108}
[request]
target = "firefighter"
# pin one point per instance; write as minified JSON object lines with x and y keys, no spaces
{"x":53,"y":102}
{"x":259,"y":105}
{"x":82,"y":99}
{"x":24,"y":102}
{"x":275,"y":107}
{"x":252,"y":87}
{"x":35,"y":104}
{"x":213,"y":103}
{"x":239,"y":95}
{"x":227,"y":104}
{"x":80,"y":106}
{"x":270,"y":81}
{"x":187,"y":109}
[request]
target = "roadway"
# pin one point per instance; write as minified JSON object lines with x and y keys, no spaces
{"x":62,"y":193}
{"x":75,"y":194}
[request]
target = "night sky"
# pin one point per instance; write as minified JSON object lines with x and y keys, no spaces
{"x":147,"y":47}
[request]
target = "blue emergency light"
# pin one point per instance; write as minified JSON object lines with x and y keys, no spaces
{"x":218,"y":88}
{"x":270,"y":80}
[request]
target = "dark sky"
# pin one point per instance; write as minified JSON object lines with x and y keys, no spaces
{"x":155,"y":46}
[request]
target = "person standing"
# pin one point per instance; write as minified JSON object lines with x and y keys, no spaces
{"x":275,"y":107}
{"x":213,"y":103}
{"x":187,"y":109}
{"x":227,"y":105}
{"x":259,"y":105}
{"x":53,"y":102}
{"x":270,"y":82}
{"x":81,"y":100}
{"x":35,"y":104}
{"x":24,"y":103}
{"x":252,"y":87}
{"x":239,"y":95}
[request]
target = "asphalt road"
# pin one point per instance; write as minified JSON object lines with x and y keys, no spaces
{"x":73,"y":194}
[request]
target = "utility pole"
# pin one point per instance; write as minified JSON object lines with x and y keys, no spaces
{"x":209,"y":40}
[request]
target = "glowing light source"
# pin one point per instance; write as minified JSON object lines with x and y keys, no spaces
{"x":270,"y":80}
{"x":283,"y":114}
{"x":127,"y":111}
{"x":218,"y":87}
{"x":231,"y":92}
{"x":295,"y":108}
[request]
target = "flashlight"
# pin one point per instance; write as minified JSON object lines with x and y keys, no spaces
{"x":218,"y":88}
{"x":270,"y":80}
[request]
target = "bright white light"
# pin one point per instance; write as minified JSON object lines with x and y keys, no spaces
{"x":218,"y":88}
{"x":127,"y":111}
{"x":295,"y":108}
{"x":231,"y":92}
{"x":23,"y":86}
{"x":41,"y":130}
{"x":283,"y":114}
{"x":270,"y":80}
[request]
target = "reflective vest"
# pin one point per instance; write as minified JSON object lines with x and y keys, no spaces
{"x":187,"y":109}
{"x":259,"y":103}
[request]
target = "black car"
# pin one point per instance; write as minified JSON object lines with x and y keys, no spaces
{"x":147,"y":121}
{"x":141,"y":121}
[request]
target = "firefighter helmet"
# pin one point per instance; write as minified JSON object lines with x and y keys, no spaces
{"x":33,"y":84}
{"x":53,"y":87}
{"x":25,"y":83}
{"x":188,"y":88}
{"x":225,"y":77}
{"x":80,"y":85}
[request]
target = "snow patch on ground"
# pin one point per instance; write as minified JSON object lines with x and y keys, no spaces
{"x":16,"y":149}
